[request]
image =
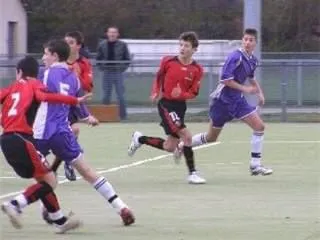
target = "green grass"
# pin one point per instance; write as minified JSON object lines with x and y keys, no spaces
{"x":233,"y":205}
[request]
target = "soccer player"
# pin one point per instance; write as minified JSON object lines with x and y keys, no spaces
{"x":83,"y":69}
{"x":52,"y":130}
{"x":177,"y":81}
{"x":20,"y":102}
{"x":228,"y":101}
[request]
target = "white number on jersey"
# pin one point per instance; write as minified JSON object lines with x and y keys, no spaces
{"x":174,"y":116}
{"x":64,"y":88}
{"x":13,"y":110}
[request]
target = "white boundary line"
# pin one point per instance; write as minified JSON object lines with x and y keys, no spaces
{"x":114,"y":169}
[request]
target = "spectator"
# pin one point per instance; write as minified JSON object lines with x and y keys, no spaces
{"x":114,"y":51}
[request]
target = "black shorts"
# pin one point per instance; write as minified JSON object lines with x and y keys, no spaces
{"x":22,"y":156}
{"x":172,"y":116}
{"x":73,"y":117}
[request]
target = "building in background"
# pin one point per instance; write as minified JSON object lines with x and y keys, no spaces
{"x":13,"y":28}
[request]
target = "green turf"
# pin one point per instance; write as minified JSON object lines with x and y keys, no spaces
{"x":232,"y":206}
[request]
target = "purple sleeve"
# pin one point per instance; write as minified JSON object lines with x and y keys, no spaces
{"x":230,"y":65}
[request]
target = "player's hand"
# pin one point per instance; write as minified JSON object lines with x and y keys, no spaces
{"x":92,"y":121}
{"x":154,"y":98}
{"x":261,"y":99}
{"x":250,"y":89}
{"x":176,"y":92}
{"x":85,"y":97}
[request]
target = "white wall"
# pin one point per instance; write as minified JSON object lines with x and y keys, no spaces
{"x":149,"y":52}
{"x":12,"y":10}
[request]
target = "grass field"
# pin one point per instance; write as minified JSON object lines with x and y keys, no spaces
{"x":232,"y":206}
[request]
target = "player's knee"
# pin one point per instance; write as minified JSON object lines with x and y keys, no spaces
{"x":169,"y":146}
{"x":187,"y":140}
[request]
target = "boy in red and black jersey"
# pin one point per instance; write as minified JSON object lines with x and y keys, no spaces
{"x":20,"y":102}
{"x":177,"y":81}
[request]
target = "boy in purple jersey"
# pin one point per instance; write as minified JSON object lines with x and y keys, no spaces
{"x":53,"y":132}
{"x":228,"y":101}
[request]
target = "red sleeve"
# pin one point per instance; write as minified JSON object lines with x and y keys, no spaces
{"x":42,"y":96}
{"x":157,"y":83}
{"x":193,"y":91}
{"x":86,"y":75}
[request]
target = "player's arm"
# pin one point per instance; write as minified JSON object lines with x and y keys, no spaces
{"x":227,"y":76}
{"x":156,"y":86}
{"x":194,"y":90}
{"x":42,"y":95}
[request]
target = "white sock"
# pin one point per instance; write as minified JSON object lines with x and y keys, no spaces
{"x":56,"y":215}
{"x":22,"y":201}
{"x":107,"y":191}
{"x":256,"y":148}
{"x":199,"y":139}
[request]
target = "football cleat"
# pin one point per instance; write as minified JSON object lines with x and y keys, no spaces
{"x":69,"y":225}
{"x":260,"y":170}
{"x":194,"y":178}
{"x":69,"y":172}
{"x":127,"y":216}
{"x":13,"y":213}
{"x":134,"y":145}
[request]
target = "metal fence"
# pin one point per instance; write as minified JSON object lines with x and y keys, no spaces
{"x":286,"y":82}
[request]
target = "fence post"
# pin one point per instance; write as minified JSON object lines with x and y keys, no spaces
{"x":210,"y":77}
{"x":299,"y":84}
{"x":284,"y":83}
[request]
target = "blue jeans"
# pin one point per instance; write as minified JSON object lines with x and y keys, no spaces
{"x":116,"y":79}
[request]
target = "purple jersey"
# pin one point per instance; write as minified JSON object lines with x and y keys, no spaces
{"x":239,"y":67}
{"x":53,"y":118}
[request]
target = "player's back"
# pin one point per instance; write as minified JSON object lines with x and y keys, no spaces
{"x":19,"y":106}
{"x":52,"y":118}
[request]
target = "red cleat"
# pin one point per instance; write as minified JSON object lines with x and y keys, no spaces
{"x":127,"y":216}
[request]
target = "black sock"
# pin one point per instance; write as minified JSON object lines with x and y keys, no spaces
{"x":152,"y":141}
{"x":188,"y":154}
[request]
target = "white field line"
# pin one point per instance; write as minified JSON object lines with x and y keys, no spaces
{"x":114,"y":169}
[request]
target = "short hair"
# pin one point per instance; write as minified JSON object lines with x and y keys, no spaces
{"x":191,"y":37}
{"x":78,"y":36}
{"x":252,"y":32}
{"x":60,"y":47}
{"x":29,"y":67}
{"x":112,"y":26}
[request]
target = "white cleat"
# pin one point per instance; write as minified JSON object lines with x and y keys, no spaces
{"x":69,"y":225}
{"x":260,"y":170}
{"x":134,"y":145}
{"x":13,"y":213}
{"x":177,"y":154}
{"x":194,"y":178}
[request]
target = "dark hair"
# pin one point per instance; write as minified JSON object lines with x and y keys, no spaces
{"x":28,"y":66}
{"x":252,"y":32}
{"x":111,"y":26}
{"x":78,"y":36}
{"x":191,"y":37}
{"x":60,"y":47}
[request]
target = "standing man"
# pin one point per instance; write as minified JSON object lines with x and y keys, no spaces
{"x":114,"y":51}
